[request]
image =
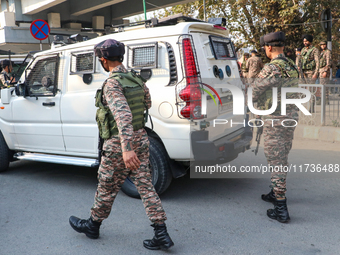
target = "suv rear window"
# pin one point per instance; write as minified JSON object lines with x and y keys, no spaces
{"x":222,"y":48}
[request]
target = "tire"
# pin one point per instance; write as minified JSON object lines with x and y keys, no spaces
{"x":160,"y":170}
{"x":5,"y":154}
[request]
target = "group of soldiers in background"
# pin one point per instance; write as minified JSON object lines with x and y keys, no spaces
{"x":312,"y":64}
{"x":252,"y":66}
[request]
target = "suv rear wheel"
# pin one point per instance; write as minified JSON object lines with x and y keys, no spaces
{"x":160,"y":170}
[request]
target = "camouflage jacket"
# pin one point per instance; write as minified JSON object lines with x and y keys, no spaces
{"x":244,"y":67}
{"x":269,"y":77}
{"x":314,"y":55}
{"x":113,"y":97}
{"x":4,"y":78}
{"x":254,"y":66}
{"x":325,"y":60}
{"x":298,"y":61}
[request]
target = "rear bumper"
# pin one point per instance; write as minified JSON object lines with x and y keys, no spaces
{"x":222,"y":150}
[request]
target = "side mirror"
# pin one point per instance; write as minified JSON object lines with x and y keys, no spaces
{"x":6,"y":94}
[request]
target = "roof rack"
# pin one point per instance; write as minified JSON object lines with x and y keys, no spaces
{"x":154,"y":22}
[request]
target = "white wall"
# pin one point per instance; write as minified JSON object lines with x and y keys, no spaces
{"x":35,"y":6}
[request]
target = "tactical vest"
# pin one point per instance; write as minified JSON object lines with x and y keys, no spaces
{"x":307,"y":63}
{"x":289,"y":79}
{"x":323,"y":61}
{"x":133,"y":90}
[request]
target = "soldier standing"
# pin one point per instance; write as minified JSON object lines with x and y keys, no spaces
{"x":325,"y":66}
{"x":310,"y":60}
{"x":243,"y":66}
{"x":298,"y":57}
{"x":280,"y":72}
{"x":120,"y":117}
{"x":4,"y":75}
{"x":298,"y":61}
{"x":254,"y":65}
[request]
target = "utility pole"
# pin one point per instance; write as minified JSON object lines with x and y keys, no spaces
{"x":204,"y":11}
{"x":326,"y":24}
{"x":144,"y":9}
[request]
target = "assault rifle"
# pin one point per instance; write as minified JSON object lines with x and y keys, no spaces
{"x":301,"y":71}
{"x":15,"y":76}
{"x":258,"y":134}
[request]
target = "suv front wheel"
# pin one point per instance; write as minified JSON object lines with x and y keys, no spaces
{"x":6,"y":155}
{"x":160,"y":170}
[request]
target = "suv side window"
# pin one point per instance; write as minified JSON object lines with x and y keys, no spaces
{"x":82,"y":62}
{"x":41,"y":77}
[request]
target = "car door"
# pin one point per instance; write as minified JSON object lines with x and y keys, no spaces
{"x":36,"y":115}
{"x":78,"y":110}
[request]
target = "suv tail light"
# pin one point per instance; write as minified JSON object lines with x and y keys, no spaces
{"x":191,"y":93}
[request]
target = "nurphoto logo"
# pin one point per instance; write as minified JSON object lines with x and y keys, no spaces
{"x":238,"y":100}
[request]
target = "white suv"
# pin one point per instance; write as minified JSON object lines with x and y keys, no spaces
{"x":50,"y":117}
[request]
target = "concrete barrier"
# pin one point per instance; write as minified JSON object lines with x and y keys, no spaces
{"x":319,"y":133}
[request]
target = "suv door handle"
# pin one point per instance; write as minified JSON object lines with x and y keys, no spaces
{"x":48,"y":104}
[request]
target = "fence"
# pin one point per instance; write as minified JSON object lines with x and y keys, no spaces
{"x":324,"y":105}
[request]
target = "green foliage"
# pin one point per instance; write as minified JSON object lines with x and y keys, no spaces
{"x":335,"y":123}
{"x":248,"y":20}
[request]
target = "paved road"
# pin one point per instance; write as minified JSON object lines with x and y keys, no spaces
{"x":205,"y":216}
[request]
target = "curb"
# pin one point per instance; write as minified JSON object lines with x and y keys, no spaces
{"x":321,"y":133}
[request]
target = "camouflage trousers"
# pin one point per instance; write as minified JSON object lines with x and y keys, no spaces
{"x":277,"y":144}
{"x":112,"y":174}
{"x":325,"y":81}
{"x":308,"y":77}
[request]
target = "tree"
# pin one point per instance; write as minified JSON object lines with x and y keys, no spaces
{"x":248,"y":20}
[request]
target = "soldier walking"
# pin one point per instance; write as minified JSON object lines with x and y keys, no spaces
{"x":280,"y":72}
{"x":254,"y":65}
{"x":310,"y":60}
{"x":4,"y":75}
{"x":325,"y":66}
{"x":120,"y":117}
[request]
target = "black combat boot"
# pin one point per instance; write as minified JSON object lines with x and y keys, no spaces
{"x":161,"y":240}
{"x":270,"y":197}
{"x":89,"y":227}
{"x":280,"y":211}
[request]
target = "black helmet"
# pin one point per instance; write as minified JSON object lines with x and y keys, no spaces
{"x":273,"y":39}
{"x":262,"y":41}
{"x":110,"y":49}
{"x":5,"y":63}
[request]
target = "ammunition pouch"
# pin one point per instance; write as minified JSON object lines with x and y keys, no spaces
{"x":289,"y":79}
{"x":307,"y":62}
{"x":323,"y":62}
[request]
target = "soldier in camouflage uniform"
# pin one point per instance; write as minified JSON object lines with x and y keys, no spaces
{"x":280,"y":72}
{"x":310,"y":60}
{"x":243,"y":66}
{"x":298,"y":57}
{"x":298,"y":63}
{"x":254,"y":65}
{"x":4,"y":75}
{"x":120,"y":117}
{"x":325,"y":66}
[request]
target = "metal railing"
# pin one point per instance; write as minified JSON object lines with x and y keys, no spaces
{"x":324,"y":105}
